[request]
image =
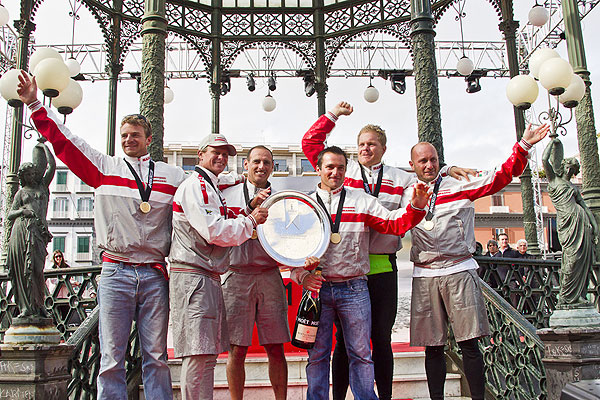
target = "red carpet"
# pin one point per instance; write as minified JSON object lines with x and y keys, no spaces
{"x":396,"y":348}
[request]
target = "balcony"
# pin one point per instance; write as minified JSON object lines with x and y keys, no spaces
{"x":61,"y":187}
{"x":499,"y":210}
{"x":85,"y":214}
{"x":85,"y":188}
{"x":60,"y":214}
{"x":83,"y":256}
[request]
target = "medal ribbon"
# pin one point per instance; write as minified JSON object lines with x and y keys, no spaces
{"x":436,"y":188}
{"x":144,"y":192}
{"x":247,"y":195}
{"x":335,"y":225}
{"x":367,"y":187}
{"x":207,"y":179}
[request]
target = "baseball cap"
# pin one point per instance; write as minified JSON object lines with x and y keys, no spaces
{"x":217,"y":140}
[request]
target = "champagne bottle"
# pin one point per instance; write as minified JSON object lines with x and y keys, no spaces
{"x":307,"y":318}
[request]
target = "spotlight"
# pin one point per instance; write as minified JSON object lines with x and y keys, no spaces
{"x":397,"y":78}
{"x":472,"y":80}
{"x":225,"y":84}
{"x":308,"y":76}
{"x":250,"y":82}
{"x":271,"y":83}
{"x":473,"y":85}
{"x":398,"y":81}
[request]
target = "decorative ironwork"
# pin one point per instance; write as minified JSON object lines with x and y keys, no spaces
{"x":512,"y":354}
{"x":71,"y":301}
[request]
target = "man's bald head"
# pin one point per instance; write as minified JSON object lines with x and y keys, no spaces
{"x":424,"y":161}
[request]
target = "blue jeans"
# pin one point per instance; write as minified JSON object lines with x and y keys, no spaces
{"x":127,"y":293}
{"x":349,"y":301}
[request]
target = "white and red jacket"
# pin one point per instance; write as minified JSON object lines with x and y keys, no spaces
{"x":250,"y":257}
{"x":122,"y":230}
{"x":452,"y":240}
{"x":393,"y":183}
{"x":349,"y":258}
{"x":202,"y":235}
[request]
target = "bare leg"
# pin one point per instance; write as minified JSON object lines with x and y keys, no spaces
{"x":278,"y":372}
{"x":236,"y":374}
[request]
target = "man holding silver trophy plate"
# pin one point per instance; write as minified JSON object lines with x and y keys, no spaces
{"x":343,"y":285}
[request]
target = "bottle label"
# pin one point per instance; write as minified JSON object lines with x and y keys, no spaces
{"x":305,"y":333}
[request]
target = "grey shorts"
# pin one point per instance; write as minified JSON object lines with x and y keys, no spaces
{"x":456,"y":298}
{"x":259,"y":298}
{"x":198,"y":321}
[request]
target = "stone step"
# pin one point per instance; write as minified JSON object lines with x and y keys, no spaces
{"x":409,"y":378}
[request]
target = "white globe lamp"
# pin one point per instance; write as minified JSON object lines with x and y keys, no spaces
{"x":269,"y":103}
{"x":522,"y":91}
{"x":573,"y":93}
{"x":538,"y":58}
{"x":555,"y":75}
{"x":74,"y":67}
{"x":4,"y":17}
{"x":52,"y":76}
{"x":538,"y":15}
{"x":8,"y":87}
{"x":169,"y":95}
{"x":69,"y":99}
{"x":41,"y":54}
{"x":465,"y":66}
{"x":371,"y":94}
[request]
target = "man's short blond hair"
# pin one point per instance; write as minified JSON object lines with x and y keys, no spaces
{"x":374,"y":128}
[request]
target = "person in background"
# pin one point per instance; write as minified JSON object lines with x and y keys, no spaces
{"x":522,"y":249}
{"x":505,"y":250}
{"x":492,"y":247}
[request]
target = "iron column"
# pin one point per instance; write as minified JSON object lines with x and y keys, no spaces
{"x":429,"y":118}
{"x":154,"y":32}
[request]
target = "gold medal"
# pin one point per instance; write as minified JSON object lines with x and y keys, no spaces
{"x":254,"y":234}
{"x":428,"y":225}
{"x":145,"y":207}
{"x":335,"y":238}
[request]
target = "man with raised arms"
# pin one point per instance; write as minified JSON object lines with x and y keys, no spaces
{"x":343,"y":285}
{"x":132,"y":218}
{"x":204,"y":228}
{"x":445,"y":285}
{"x":386,"y":184}
{"x":253,"y":289}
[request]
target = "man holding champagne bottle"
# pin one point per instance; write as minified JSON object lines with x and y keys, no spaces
{"x":343,"y":285}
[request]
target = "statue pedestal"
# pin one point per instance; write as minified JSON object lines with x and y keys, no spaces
{"x":34,"y":330}
{"x":570,"y":355}
{"x":34,"y":372}
{"x":575,"y":316}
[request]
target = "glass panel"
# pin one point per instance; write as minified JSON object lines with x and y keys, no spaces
{"x":83,"y":244}
{"x":260,"y":3}
{"x":85,"y":204}
{"x":306,"y":166}
{"x":61,"y":178}
{"x":274,"y":3}
{"x":498,"y":200}
{"x":61,"y":204}
{"x":58,"y":243}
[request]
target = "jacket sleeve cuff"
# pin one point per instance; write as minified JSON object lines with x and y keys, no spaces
{"x":298,"y":274}
{"x":254,"y":223}
{"x":332,"y":117}
{"x":525,"y":145}
{"x":416,"y":208}
{"x":36,"y":105}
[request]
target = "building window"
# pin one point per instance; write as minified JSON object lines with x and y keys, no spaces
{"x":83,"y":248}
{"x":61,"y":207}
{"x":84,"y":187}
{"x":58,"y":243}
{"x":188,"y":164}
{"x":85,"y":207}
{"x":61,"y":181}
{"x":498,"y":231}
{"x":280,"y":165}
{"x":306,"y":166}
{"x":498,"y":200}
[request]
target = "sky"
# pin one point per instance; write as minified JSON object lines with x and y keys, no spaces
{"x":478,"y":129}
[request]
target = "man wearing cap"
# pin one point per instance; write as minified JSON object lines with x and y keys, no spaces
{"x":132,"y":217}
{"x":204,"y":228}
{"x":253,"y":289}
{"x":387,"y":185}
{"x":445,"y":285}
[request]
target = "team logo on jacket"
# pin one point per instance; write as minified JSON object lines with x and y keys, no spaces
{"x":209,"y":212}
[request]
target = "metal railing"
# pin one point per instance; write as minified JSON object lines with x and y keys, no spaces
{"x":71,"y":301}
{"x":520,"y":296}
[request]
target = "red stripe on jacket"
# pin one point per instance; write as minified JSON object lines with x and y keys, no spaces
{"x":313,"y":140}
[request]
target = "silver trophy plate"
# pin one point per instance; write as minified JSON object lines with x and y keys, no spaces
{"x":297,"y":227}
